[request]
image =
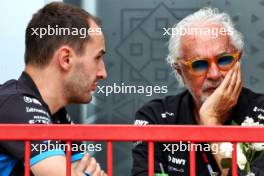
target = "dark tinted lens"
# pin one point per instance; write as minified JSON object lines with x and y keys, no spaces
{"x":226,"y":61}
{"x":200,"y":65}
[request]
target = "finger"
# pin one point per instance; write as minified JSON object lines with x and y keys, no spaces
{"x":233,"y":81}
{"x":102,"y":173}
{"x":91,"y":166}
{"x":75,"y":164}
{"x":238,"y":86}
{"x":226,"y":80}
{"x":238,"y":82}
{"x":97,"y":171}
{"x":82,"y":164}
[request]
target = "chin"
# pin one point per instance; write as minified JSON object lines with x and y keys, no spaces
{"x":82,"y":100}
{"x":87,"y":99}
{"x":204,"y":98}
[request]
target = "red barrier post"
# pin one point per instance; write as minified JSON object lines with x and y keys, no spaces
{"x":150,"y":158}
{"x":192,"y":160}
{"x":109,"y":158}
{"x":27,"y":158}
{"x":68,"y":158}
{"x":234,"y":160}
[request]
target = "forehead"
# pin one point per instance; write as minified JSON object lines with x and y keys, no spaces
{"x":98,"y":37}
{"x":207,"y":43}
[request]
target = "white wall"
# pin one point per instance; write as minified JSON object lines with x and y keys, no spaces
{"x":14,"y":15}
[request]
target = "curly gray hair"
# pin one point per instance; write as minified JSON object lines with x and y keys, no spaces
{"x":204,"y":14}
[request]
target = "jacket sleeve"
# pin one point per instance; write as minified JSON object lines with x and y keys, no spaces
{"x":20,"y":109}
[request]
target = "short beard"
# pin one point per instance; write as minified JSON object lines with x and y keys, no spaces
{"x":203,"y":98}
{"x":208,"y":84}
{"x":75,"y":87}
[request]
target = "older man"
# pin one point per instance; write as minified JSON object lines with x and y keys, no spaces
{"x":205,"y":51}
{"x":63,"y":64}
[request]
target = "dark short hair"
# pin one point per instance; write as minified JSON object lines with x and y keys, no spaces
{"x":40,"y":50}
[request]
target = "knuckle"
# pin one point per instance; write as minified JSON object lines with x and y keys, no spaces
{"x":93,"y":160}
{"x":233,"y":101}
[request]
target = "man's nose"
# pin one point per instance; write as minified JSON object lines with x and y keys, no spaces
{"x":102,"y":73}
{"x":214,"y":72}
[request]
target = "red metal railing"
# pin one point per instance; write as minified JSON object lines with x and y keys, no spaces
{"x":118,"y":133}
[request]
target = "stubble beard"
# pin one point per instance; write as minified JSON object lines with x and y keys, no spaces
{"x":75,"y":88}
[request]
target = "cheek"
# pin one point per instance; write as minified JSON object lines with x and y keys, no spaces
{"x":90,"y":68}
{"x":194,"y":83}
{"x":82,"y":71}
{"x":89,"y":72}
{"x":224,"y":73}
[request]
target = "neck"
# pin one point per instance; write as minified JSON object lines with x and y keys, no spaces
{"x":48,"y":84}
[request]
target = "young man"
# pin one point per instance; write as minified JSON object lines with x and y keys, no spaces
{"x":63,"y":64}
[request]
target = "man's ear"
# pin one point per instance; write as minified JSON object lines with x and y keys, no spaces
{"x":178,"y":69}
{"x":64,"y":55}
{"x":176,"y":66}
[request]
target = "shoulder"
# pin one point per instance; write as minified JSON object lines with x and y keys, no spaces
{"x":251,"y":100}
{"x":164,"y":103}
{"x":17,"y":107}
{"x":256,"y":104}
{"x":7,"y":90}
{"x":253,"y":97}
{"x":250,"y":104}
{"x":154,"y":111}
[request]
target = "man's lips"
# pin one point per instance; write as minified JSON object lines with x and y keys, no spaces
{"x":210,"y":89}
{"x":94,"y":86}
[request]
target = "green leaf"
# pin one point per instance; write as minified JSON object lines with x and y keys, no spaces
{"x":234,"y":123}
{"x":226,"y":163}
{"x":247,"y":167}
{"x":252,"y":156}
{"x":245,"y":152}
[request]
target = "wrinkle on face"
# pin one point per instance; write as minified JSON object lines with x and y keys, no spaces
{"x":207,"y":47}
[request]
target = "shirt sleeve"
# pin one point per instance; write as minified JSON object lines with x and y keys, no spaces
{"x":140,"y":149}
{"x":23,"y":109}
{"x":77,"y":152}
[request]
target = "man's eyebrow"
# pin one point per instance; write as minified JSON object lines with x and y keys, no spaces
{"x":217,"y":55}
{"x":222,"y":53}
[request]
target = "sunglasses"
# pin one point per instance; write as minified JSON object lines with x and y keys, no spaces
{"x":200,"y":66}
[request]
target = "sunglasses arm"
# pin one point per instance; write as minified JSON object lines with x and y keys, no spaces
{"x":240,"y":55}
